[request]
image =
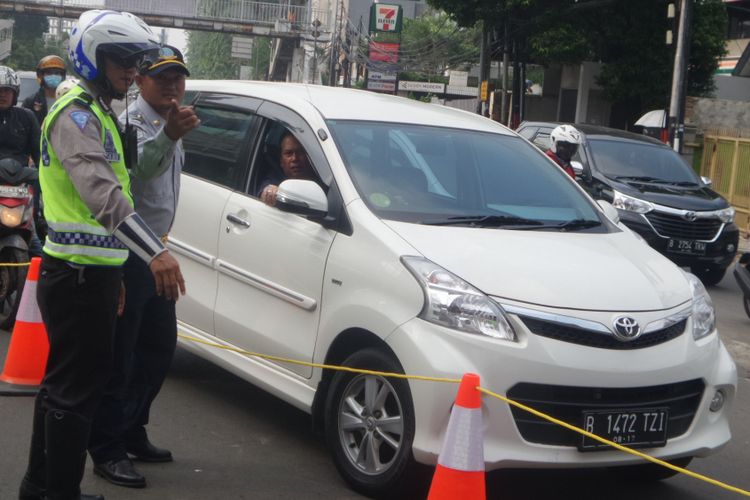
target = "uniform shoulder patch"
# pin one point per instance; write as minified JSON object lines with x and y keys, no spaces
{"x":80,"y":118}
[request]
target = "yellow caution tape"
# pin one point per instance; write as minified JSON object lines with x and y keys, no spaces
{"x":14,"y":264}
{"x":617,"y":446}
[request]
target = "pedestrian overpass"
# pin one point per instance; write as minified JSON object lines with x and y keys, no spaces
{"x":288,"y":24}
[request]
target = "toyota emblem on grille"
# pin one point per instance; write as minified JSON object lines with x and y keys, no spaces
{"x":690,"y":216}
{"x":626,"y":328}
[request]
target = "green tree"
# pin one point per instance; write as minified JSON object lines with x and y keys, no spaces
{"x":28,"y":42}
{"x":434,"y":43}
{"x":627,"y":37}
{"x":210,"y":55}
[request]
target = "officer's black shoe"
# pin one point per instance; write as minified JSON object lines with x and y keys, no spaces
{"x":120,"y":472}
{"x":147,"y":452}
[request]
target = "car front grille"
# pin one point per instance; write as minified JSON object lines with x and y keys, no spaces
{"x":582,"y":336}
{"x":674,"y":226}
{"x":568,"y":404}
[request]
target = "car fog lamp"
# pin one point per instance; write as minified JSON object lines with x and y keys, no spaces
{"x":11,"y":217}
{"x":454,"y":303}
{"x":629,"y":204}
{"x":717,"y":402}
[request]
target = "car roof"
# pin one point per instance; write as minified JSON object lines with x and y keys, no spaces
{"x":596,"y":131}
{"x":336,"y":103}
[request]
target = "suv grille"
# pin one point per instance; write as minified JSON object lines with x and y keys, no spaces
{"x":568,"y":403}
{"x":674,"y":226}
{"x":590,"y":338}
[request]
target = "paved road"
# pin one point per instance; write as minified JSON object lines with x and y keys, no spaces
{"x":234,"y":441}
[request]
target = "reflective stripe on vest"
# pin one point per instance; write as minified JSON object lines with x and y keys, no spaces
{"x":74,"y":234}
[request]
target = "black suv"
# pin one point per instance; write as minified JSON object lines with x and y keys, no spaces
{"x":656,"y":194}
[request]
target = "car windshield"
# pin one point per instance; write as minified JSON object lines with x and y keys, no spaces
{"x":640,"y":162}
{"x":445,"y":176}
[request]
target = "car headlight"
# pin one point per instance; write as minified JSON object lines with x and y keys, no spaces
{"x":630,"y":204}
{"x":454,"y":303}
{"x":11,"y":217}
{"x":704,"y":315}
{"x":727,"y":215}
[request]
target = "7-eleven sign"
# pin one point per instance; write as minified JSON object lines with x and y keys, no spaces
{"x":384,"y":17}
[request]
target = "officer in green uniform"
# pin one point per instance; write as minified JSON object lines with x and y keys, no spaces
{"x":92,"y":228}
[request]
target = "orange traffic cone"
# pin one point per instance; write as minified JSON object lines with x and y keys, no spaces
{"x":460,"y":470}
{"x":29,"y":345}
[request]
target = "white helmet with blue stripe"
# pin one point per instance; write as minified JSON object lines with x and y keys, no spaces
{"x":118,"y":35}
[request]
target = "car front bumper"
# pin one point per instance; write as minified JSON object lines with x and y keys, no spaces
{"x":426,"y":349}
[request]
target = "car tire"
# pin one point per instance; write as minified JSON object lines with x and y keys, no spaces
{"x":709,"y":276}
{"x":649,"y":472}
{"x":354,"y":417}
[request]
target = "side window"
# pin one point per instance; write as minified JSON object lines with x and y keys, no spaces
{"x":542,"y":141}
{"x":217,"y":151}
{"x":528,"y":132}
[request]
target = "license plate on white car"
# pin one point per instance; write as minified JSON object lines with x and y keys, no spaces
{"x":688,"y":247}
{"x":14,"y":191}
{"x":641,"y":428}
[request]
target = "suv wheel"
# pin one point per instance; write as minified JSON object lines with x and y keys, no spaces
{"x":369,"y":424}
{"x":710,"y":276}
{"x":650,"y":471}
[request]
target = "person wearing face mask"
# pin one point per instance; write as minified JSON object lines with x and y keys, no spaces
{"x":49,"y":73}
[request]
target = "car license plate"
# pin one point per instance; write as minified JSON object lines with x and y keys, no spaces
{"x":688,"y":247}
{"x":641,"y":428}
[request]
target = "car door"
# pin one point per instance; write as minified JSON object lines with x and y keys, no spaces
{"x":216,"y":164}
{"x":271,"y":263}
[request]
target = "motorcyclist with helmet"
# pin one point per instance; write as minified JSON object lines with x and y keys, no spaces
{"x":50,"y":72}
{"x":19,"y":134}
{"x":92,"y":227}
{"x":565,"y":142}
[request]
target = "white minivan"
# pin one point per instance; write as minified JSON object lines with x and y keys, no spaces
{"x":436,"y":242}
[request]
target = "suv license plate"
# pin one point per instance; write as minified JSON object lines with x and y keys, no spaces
{"x":688,"y":247}
{"x":641,"y":428}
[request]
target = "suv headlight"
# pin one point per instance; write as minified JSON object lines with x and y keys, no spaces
{"x":630,"y":204}
{"x":727,"y":215}
{"x":704,"y":315}
{"x":454,"y":303}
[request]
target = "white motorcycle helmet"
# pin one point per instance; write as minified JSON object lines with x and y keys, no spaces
{"x":119,"y":35}
{"x":9,"y":80}
{"x":65,"y":86}
{"x":565,"y":141}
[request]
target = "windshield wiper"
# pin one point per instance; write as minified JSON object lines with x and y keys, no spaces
{"x":684,"y":183}
{"x":574,"y":224}
{"x":483,"y":221}
{"x":640,"y":178}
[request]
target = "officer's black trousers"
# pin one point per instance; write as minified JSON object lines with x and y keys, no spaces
{"x":78,"y":307}
{"x":145,"y":341}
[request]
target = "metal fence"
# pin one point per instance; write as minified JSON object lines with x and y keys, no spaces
{"x":726,"y":161}
{"x":295,"y":17}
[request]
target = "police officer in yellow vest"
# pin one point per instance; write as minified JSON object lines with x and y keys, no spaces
{"x":92,"y":227}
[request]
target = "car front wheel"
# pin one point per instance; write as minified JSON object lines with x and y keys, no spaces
{"x":369,"y":424}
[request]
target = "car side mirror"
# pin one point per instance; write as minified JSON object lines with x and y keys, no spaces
{"x":577,"y":167}
{"x":708,"y":182}
{"x":302,"y":197}
{"x":609,"y":211}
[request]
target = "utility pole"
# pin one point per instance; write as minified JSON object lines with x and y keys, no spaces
{"x":677,"y":99}
{"x":483,"y":70}
{"x":506,"y":59}
{"x":334,"y":47}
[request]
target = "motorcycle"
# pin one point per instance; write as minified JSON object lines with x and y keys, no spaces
{"x":16,"y":225}
{"x":742,"y":275}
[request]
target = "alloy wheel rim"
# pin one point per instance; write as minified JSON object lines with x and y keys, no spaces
{"x":371,"y":424}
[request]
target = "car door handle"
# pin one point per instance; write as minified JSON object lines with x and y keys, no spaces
{"x":236,"y":219}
